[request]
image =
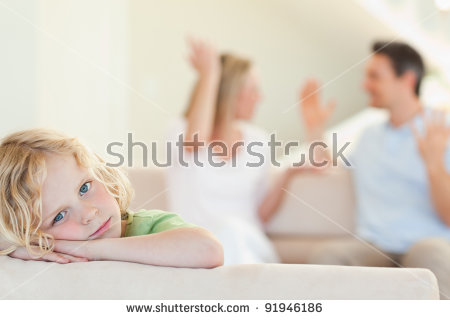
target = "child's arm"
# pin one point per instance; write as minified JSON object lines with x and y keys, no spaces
{"x":22,"y":253}
{"x":191,"y":247}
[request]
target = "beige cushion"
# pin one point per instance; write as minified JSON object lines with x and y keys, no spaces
{"x":296,"y":249}
{"x":150,"y":190}
{"x":317,"y":204}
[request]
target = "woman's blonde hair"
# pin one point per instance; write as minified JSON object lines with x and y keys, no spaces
{"x":22,"y":174}
{"x":234,"y":71}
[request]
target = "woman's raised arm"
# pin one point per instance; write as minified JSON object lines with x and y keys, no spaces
{"x":201,"y":109}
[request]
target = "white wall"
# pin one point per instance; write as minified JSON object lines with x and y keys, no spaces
{"x":64,"y":65}
{"x":18,"y":103}
{"x":83,"y":69}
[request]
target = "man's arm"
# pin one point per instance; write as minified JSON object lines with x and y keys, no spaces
{"x":440,"y":190}
{"x":315,"y":116}
{"x":432,"y":147}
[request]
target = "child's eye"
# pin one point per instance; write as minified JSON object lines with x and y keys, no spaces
{"x":59,"y":216}
{"x":85,"y":188}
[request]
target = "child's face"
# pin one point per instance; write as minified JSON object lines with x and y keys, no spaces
{"x":74,"y":205}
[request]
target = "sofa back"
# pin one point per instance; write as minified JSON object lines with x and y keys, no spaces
{"x":314,"y":204}
{"x":123,"y":280}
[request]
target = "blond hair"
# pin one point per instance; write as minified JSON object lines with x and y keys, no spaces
{"x":22,"y":174}
{"x":234,"y":71}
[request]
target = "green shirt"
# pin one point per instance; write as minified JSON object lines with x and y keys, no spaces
{"x":152,"y":221}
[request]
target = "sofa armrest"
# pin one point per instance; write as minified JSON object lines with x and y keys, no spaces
{"x":122,"y":280}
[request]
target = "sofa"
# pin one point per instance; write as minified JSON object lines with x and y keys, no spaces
{"x":316,"y":209}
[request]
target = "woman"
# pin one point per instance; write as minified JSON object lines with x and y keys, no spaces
{"x":229,"y":193}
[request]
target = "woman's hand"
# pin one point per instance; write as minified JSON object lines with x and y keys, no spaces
{"x":308,"y":168}
{"x":315,"y":114}
{"x":22,"y":253}
{"x":433,"y":143}
{"x":203,"y":58}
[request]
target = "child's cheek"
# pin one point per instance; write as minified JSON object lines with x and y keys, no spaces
{"x":69,"y":231}
{"x":106,"y":201}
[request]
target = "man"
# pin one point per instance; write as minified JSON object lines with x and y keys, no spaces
{"x":400,"y":170}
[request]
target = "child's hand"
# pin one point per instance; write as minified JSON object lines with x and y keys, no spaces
{"x":22,"y":253}
{"x":70,"y":247}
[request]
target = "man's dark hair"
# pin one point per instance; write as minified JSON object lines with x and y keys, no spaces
{"x":403,"y":58}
